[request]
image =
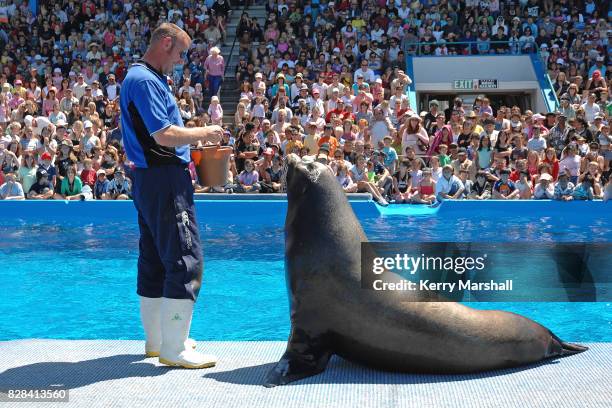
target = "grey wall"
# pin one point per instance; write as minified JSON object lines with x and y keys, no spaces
{"x":446,"y":69}
{"x":513,"y":73}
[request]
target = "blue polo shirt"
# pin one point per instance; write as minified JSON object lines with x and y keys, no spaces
{"x":148,"y":106}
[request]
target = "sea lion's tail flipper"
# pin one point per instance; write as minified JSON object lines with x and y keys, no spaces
{"x":571,"y":348}
{"x":304,"y":357}
{"x":560,"y":348}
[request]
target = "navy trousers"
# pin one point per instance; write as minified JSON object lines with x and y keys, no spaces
{"x":170,"y":262}
{"x":214,"y":83}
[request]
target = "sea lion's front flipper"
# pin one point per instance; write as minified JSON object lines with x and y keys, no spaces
{"x":305,"y":356}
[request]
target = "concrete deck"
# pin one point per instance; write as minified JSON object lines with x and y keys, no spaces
{"x":115,"y":374}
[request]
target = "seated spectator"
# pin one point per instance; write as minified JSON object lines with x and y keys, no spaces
{"x":584,"y":190}
{"x":481,"y":188}
{"x":544,"y":190}
{"x":425,"y":190}
{"x":359,"y":175}
{"x":26,"y":174}
{"x":564,"y":189}
{"x":449,"y":186}
{"x":272,"y":175}
{"x":248,"y":179}
{"x":100,"y":188}
{"x":504,"y":189}
{"x":523,"y":184}
{"x":344,"y":179}
{"x":120,"y":187}
{"x":71,"y":186}
{"x":11,"y":189}
{"x":402,"y":184}
{"x":42,"y":189}
{"x":382,"y":177}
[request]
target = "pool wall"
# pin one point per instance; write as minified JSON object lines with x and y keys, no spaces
{"x":272,"y":209}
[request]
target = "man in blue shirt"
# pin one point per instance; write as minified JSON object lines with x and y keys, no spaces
{"x":170,"y":261}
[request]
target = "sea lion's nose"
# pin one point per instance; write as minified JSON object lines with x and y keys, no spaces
{"x":292,"y":159}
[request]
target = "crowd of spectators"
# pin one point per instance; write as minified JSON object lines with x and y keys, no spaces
{"x":60,"y":76}
{"x":318,"y":78}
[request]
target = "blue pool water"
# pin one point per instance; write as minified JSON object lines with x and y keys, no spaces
{"x":72,"y":280}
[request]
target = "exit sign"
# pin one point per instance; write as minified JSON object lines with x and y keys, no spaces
{"x":463,"y":84}
{"x":470,"y":84}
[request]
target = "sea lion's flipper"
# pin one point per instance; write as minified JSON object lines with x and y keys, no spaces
{"x":305,"y":356}
{"x":571,"y":348}
{"x":560,"y":348}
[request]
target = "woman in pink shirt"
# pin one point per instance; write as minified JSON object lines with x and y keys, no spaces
{"x":215,"y":68}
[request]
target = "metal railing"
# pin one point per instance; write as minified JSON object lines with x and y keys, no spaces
{"x":464,"y":48}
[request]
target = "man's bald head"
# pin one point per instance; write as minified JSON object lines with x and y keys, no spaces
{"x":168,"y":47}
{"x":169,"y":30}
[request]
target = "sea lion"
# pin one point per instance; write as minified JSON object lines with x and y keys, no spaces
{"x":332,"y":314}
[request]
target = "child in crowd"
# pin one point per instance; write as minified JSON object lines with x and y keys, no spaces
{"x":481,"y":188}
{"x":248,"y":179}
{"x":391,"y":157}
{"x":564,"y":189}
{"x":436,"y":169}
{"x":88,"y":175}
{"x":443,"y":157}
{"x":425,"y":192}
{"x":344,"y":179}
{"x":402,"y":184}
{"x":584,"y":190}
{"x":198,"y":98}
{"x":523,"y":184}
{"x":359,"y":174}
{"x":415,"y":172}
{"x":504,"y":189}
{"x":215,"y":111}
{"x":274,"y":173}
{"x":100,"y":188}
{"x":258,"y":109}
{"x":42,"y":189}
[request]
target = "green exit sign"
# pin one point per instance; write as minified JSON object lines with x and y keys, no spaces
{"x":463,"y":84}
{"x":475,"y":84}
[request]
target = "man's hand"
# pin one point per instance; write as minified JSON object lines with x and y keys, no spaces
{"x":213,"y":134}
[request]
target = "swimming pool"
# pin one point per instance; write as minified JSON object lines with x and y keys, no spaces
{"x":69,"y":270}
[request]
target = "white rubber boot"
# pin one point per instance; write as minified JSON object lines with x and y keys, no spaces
{"x":150,"y":314}
{"x":175,"y":323}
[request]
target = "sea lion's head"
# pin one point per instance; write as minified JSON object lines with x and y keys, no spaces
{"x":301,"y":173}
